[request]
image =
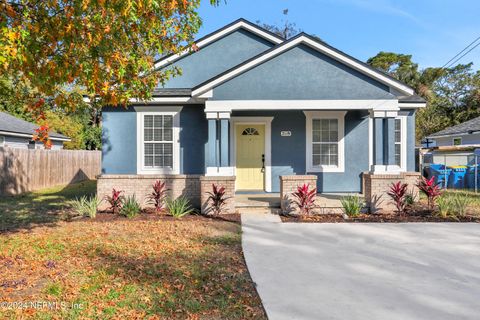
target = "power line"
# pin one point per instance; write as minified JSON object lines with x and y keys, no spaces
{"x":478,"y":44}
{"x":466,"y":48}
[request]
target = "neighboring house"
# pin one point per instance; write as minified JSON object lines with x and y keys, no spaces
{"x":17,"y":133}
{"x":254,"y":106}
{"x":463,"y":134}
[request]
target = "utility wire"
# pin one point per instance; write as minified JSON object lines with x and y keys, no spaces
{"x":478,"y":44}
{"x":449,"y":62}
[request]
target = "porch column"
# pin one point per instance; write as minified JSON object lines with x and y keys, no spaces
{"x":384,"y":142}
{"x":217,"y":158}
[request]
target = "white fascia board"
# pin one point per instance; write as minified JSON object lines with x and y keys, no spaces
{"x":218,"y":35}
{"x":315,"y":45}
{"x":229,"y":105}
{"x":415,"y":105}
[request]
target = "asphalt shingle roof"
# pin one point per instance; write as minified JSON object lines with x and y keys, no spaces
{"x":12,"y":124}
{"x":469,"y":126}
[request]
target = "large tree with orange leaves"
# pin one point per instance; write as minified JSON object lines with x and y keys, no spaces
{"x":106,"y":47}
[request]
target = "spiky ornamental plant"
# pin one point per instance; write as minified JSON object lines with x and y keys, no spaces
{"x":217,"y":199}
{"x":305,"y":198}
{"x":158,"y":195}
{"x":115,"y":200}
{"x":398,"y":193}
{"x":430,"y":189}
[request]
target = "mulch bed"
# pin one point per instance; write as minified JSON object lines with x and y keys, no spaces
{"x":388,"y":218}
{"x":151,"y":215}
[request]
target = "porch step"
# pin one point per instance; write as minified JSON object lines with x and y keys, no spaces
{"x":258,"y":210}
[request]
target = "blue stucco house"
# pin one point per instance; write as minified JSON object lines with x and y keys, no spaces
{"x":251,"y":107}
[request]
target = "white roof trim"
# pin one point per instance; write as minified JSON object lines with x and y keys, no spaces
{"x":414,"y":105}
{"x":25,"y":135}
{"x":229,"y":105}
{"x":315,"y":45}
{"x":217,"y":35}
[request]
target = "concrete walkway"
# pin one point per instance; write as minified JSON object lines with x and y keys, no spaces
{"x":364,"y":271}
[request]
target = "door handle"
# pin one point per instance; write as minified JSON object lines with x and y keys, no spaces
{"x":263,"y":163}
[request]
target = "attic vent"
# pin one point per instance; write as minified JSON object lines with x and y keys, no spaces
{"x":250,"y":132}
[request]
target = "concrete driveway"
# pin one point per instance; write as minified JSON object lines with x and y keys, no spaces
{"x":364,"y":271}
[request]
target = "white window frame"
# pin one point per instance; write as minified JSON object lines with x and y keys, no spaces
{"x":403,"y":142}
{"x":340,"y":116}
{"x":172,"y":111}
{"x":453,"y":141}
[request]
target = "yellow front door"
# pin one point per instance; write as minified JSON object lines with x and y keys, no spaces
{"x":250,"y":153}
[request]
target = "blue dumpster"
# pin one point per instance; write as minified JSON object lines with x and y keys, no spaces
{"x":456,"y":179}
{"x":440,"y":172}
{"x":470,"y":177}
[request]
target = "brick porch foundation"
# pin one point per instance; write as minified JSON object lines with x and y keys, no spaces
{"x":376,"y":186}
{"x":141,"y":187}
{"x":206,"y":186}
{"x":288,"y":185}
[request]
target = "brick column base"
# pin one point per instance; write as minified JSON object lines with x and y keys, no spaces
{"x":288,"y":185}
{"x":376,"y":187}
{"x":206,"y":186}
{"x":141,"y":186}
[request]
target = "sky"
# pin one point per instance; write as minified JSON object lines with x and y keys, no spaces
{"x":432,"y":31}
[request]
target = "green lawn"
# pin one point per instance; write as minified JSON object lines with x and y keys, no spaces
{"x":111,"y":267}
{"x":473,"y":197}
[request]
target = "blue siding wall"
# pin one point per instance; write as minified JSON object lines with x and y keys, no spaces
{"x":410,"y":138}
{"x":119,"y":135}
{"x":119,"y":139}
{"x":301,"y":73}
{"x":217,"y":57}
{"x":289,"y":153}
{"x":193,"y":139}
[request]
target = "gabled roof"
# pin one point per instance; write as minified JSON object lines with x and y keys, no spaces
{"x":467,"y":127}
{"x":10,"y":125}
{"x":220,"y":33}
{"x":314,"y":43}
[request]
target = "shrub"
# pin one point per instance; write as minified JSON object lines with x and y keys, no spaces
{"x":430,"y":189}
{"x":445,"y":207}
{"x":410,"y":197}
{"x":86,"y":206}
{"x":398,"y":193}
{"x":115,"y":200}
{"x":460,"y":204}
{"x":352,"y":205}
{"x":130,"y":207}
{"x":179,"y":207}
{"x":158,"y":195}
{"x":217,"y":198}
{"x":305,"y":198}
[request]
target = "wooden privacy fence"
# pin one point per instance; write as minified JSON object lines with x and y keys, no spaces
{"x":23,"y":170}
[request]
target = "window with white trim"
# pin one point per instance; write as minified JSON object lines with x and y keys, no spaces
{"x":158,"y":141}
{"x":158,"y":146}
{"x":398,"y":142}
{"x":325,"y":143}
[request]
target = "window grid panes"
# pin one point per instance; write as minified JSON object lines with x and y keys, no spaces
{"x":398,"y":142}
{"x":325,"y":142}
{"x":158,"y":141}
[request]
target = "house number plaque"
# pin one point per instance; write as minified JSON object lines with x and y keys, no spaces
{"x":286,"y":133}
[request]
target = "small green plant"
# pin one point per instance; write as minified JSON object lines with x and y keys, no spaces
{"x":352,"y":205}
{"x":130,"y":207}
{"x":179,"y":207}
{"x":410,"y":198}
{"x":460,"y":204}
{"x":445,"y":207}
{"x":86,"y":206}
